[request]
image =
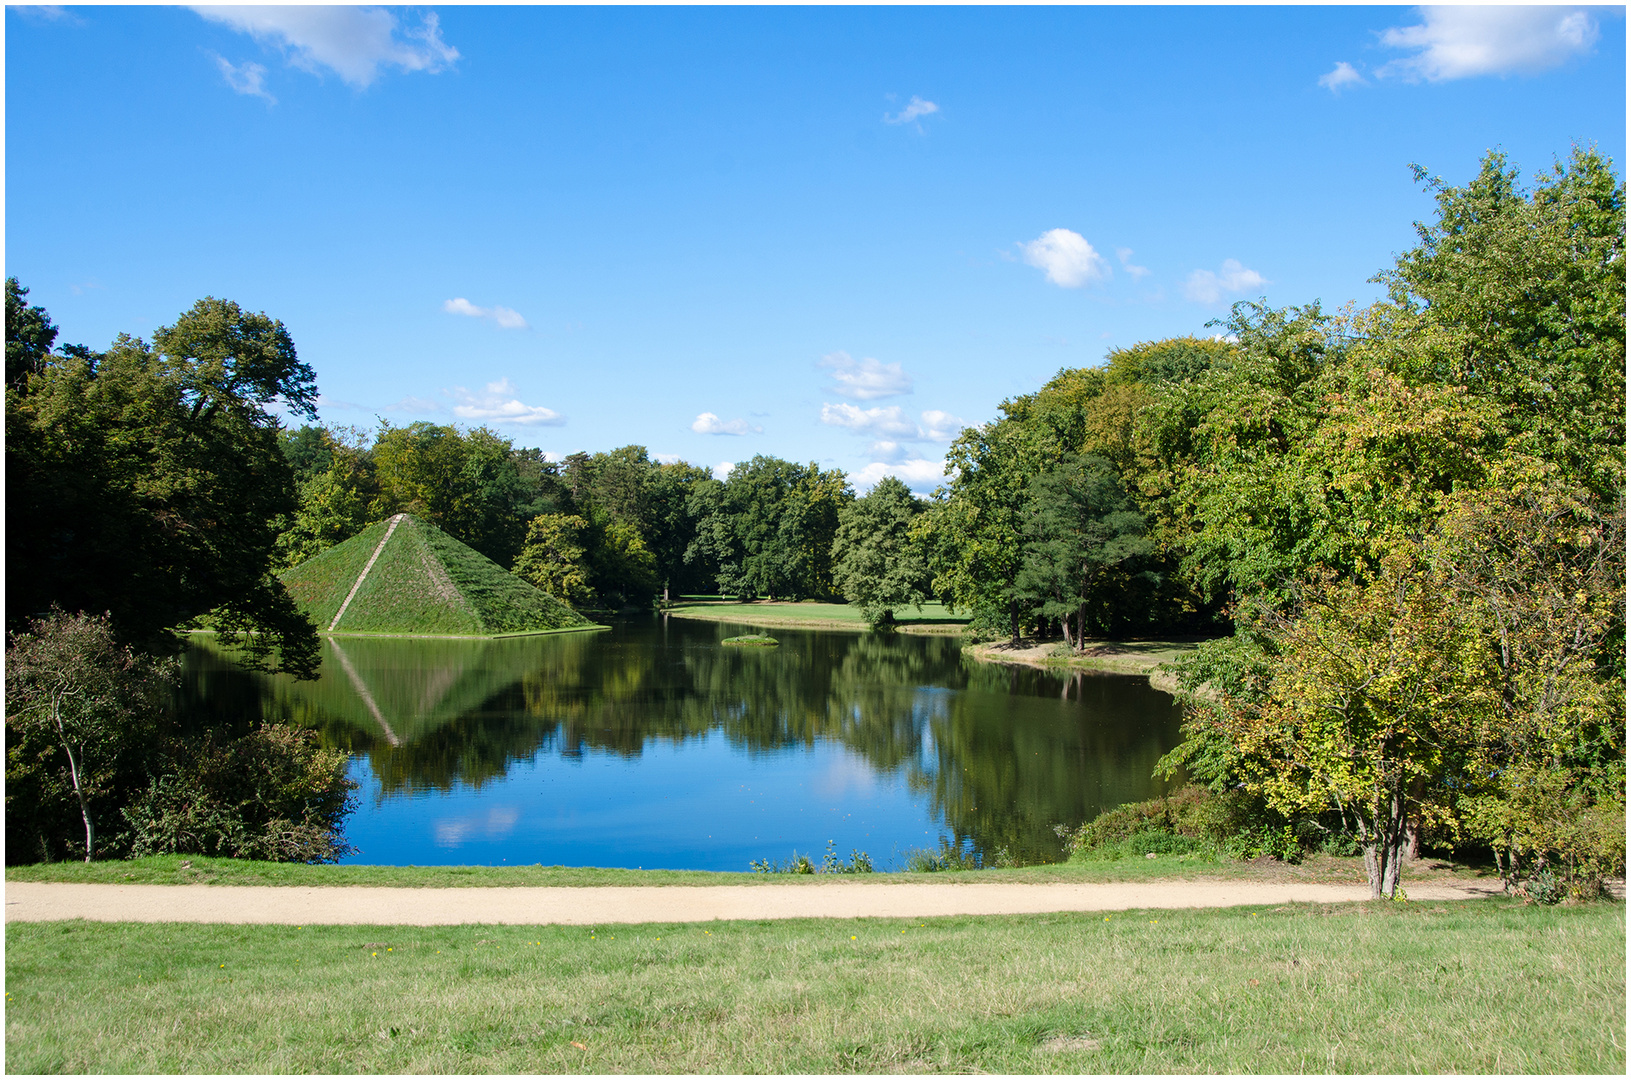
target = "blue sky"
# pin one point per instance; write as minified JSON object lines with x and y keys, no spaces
{"x":829,"y":234}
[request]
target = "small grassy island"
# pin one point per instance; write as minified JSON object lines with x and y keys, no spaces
{"x":763,"y":641}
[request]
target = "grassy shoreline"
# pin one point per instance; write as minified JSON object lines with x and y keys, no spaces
{"x":586,"y":629}
{"x":1475,"y":986}
{"x":197,"y":870}
{"x":811,"y":615}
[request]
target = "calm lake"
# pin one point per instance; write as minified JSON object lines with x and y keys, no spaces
{"x":653,"y":745}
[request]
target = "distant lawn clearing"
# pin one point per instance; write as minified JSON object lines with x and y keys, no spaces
{"x":809,"y":615}
{"x":1473,"y":986}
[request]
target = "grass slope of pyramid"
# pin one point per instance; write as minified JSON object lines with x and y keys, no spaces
{"x":423,"y":582}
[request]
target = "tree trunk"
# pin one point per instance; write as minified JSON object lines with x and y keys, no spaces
{"x":1412,"y":847}
{"x":73,"y":771}
{"x":84,"y":808}
{"x":1013,"y":622}
{"x":1383,"y":841}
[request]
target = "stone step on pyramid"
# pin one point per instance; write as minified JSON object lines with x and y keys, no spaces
{"x":405,"y":576}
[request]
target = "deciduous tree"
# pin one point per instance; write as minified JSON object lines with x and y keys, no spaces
{"x":553,"y":558}
{"x":876,"y":564}
{"x":148,"y":482}
{"x":72,"y":687}
{"x":1083,"y":544}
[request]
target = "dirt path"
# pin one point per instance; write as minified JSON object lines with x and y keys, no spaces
{"x":303,"y":905}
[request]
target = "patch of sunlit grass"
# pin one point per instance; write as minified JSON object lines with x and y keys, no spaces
{"x":1297,"y":988}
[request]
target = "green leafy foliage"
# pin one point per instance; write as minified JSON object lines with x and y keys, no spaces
{"x":466,"y":483}
{"x":769,"y":528}
{"x":274,"y":793}
{"x":1524,"y":294}
{"x":1417,"y":510}
{"x":876,"y":563}
{"x":103,"y":758}
{"x":1084,"y":546}
{"x":29,"y":337}
{"x":82,"y":712}
{"x":147,"y":482}
{"x":859,"y":862}
{"x":553,"y":558}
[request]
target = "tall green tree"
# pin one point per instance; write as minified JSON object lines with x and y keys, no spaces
{"x":147,"y":482}
{"x":29,"y":336}
{"x":554,"y":558}
{"x":337,"y":491}
{"x":1083,"y":546}
{"x":670,"y":528}
{"x":876,"y":564}
{"x":1521,"y":294}
{"x":769,"y":527}
{"x":974,"y":532}
{"x":466,"y":483}
{"x":1417,"y":509}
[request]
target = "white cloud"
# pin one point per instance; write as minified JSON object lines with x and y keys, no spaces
{"x":1341,"y":75}
{"x":915,"y":108}
{"x":498,"y":404}
{"x":865,"y":379}
{"x":506,"y":318}
{"x":353,"y":42}
{"x":1459,"y":42}
{"x":723,"y":469}
{"x":888,"y":423}
{"x":44,"y":13}
{"x":1232,"y":279}
{"x":666,"y":459}
{"x":881,"y":420}
{"x":412,"y":404}
{"x":709,"y":424}
{"x":1126,"y":257}
{"x":919,"y":474}
{"x":245,"y":78}
{"x":1066,"y":258}
{"x":941,"y":426}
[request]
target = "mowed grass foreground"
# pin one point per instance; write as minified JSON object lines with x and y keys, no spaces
{"x":1474,"y":986}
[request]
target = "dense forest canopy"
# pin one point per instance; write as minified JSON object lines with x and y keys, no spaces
{"x":1402,"y":524}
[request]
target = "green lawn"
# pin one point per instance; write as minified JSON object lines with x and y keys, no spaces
{"x":1478,"y":986}
{"x":813,"y":615}
{"x":194,"y":869}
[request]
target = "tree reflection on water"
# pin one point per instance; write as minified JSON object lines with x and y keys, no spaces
{"x":1001,"y":754}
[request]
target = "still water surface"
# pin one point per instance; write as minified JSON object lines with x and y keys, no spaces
{"x":655,"y":746}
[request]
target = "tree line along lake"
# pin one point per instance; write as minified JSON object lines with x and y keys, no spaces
{"x":653,"y":745}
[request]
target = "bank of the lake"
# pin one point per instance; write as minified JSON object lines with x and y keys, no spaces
{"x":198,"y":870}
{"x":813,"y":615}
{"x":1473,"y":986}
{"x":1150,"y":658}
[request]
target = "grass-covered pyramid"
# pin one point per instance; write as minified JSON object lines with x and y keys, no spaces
{"x":405,"y":576}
